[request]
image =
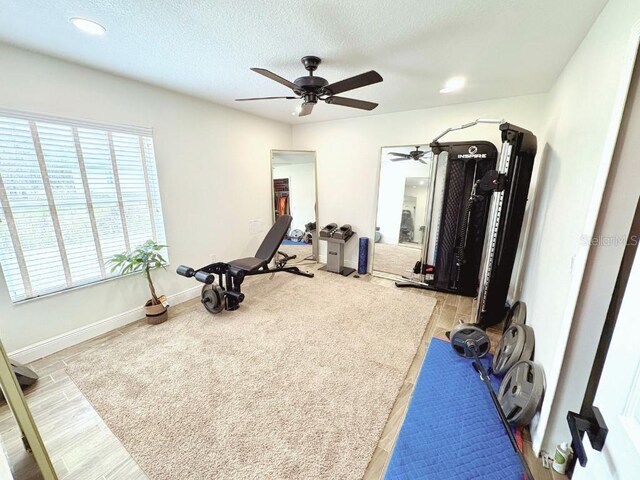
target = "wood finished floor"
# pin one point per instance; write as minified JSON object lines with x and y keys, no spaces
{"x":81,"y":445}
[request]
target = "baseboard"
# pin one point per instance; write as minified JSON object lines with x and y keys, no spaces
{"x":60,"y":342}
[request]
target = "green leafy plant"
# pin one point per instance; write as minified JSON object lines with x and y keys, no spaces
{"x":142,"y":259}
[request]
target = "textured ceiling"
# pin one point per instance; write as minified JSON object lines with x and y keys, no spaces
{"x":205,"y":48}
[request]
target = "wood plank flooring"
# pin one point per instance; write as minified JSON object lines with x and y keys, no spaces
{"x":81,"y":445}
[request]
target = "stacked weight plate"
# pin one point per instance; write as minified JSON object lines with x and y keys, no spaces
{"x":523,"y":383}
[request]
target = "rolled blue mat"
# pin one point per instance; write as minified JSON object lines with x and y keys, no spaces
{"x":363,"y":255}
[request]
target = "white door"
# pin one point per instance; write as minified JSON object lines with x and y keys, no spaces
{"x":618,"y":395}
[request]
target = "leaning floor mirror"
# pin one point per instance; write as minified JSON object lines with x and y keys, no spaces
{"x":293,"y":183}
{"x":404,"y":197}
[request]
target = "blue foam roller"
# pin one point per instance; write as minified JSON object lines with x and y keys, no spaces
{"x":363,"y":255}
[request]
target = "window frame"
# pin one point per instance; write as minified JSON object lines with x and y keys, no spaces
{"x":151,"y":191}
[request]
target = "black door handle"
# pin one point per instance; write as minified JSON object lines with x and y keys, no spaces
{"x":594,"y":426}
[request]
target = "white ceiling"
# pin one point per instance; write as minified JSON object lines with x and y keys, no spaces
{"x":204,"y":48}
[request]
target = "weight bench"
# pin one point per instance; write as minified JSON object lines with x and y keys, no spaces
{"x":227,"y":294}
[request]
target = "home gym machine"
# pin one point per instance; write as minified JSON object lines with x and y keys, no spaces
{"x":226,"y":294}
{"x":450,"y":259}
{"x":457,"y":219}
{"x":471,"y":250}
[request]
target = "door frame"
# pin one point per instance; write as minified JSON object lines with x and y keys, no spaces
{"x":582,"y":254}
{"x":589,"y":414}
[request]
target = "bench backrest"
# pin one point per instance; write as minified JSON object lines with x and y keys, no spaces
{"x":274,"y":238}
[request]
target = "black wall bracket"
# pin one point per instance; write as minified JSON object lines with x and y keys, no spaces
{"x":593,"y":425}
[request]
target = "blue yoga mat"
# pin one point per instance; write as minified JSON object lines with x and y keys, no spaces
{"x":452,"y":430}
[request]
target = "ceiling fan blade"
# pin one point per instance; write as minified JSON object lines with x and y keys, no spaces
{"x":352,"y":83}
{"x":403,"y":155}
{"x":399,"y":159}
{"x":306,"y":109}
{"x":265,"y":98}
{"x":275,"y":77}
{"x":421,"y":161}
{"x":351,"y":102}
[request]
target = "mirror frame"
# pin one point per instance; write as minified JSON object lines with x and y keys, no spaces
{"x":372,"y":249}
{"x":315,"y":171}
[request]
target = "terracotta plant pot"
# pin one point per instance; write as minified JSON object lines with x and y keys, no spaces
{"x":156,"y":314}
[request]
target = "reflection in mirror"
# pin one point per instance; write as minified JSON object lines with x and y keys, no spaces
{"x":403,"y":198}
{"x":293,"y":179}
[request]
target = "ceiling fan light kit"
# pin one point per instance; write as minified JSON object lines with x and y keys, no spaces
{"x":311,"y":89}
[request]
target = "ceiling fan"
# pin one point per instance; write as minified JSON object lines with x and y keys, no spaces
{"x":311,"y":89}
{"x":416,"y":155}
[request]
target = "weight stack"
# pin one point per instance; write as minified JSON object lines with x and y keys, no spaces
{"x":363,"y":255}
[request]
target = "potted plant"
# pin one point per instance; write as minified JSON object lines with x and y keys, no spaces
{"x":142,"y":259}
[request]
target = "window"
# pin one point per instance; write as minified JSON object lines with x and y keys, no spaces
{"x":72,"y":194}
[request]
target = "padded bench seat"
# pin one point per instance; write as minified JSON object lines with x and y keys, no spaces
{"x":250,"y":264}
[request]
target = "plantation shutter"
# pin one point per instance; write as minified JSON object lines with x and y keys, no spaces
{"x":72,"y":194}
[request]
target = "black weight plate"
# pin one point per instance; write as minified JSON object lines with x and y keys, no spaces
{"x":212,"y":298}
{"x":521,"y":392}
{"x":517,"y":314}
{"x":464,"y":335}
{"x":220,"y":291}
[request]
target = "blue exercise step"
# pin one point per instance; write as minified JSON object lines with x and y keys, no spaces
{"x":452,"y":430}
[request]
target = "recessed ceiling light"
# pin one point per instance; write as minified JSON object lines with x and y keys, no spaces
{"x":421,"y":182}
{"x":88,"y":26}
{"x":453,"y":84}
{"x":294,"y":113}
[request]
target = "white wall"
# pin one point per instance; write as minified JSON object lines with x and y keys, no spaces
{"x":302,"y":191}
{"x":348,"y":152}
{"x":574,"y":160}
{"x":213,"y":169}
{"x":420,"y":193}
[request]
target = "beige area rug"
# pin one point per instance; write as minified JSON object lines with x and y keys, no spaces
{"x":297,"y":384}
{"x":395,"y":259}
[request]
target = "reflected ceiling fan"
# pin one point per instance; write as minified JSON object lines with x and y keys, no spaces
{"x":416,"y":155}
{"x":310,"y":88}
